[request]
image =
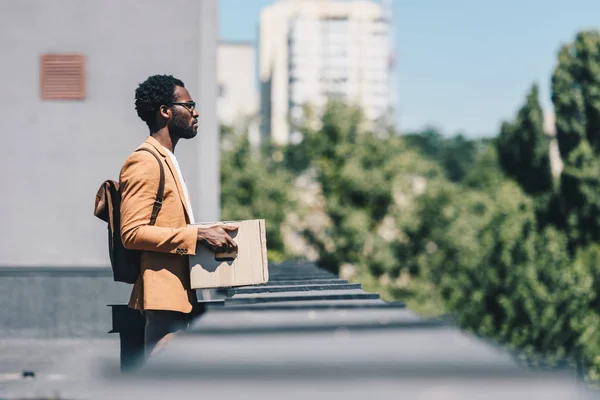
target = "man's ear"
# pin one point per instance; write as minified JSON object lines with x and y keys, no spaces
{"x":165,"y":112}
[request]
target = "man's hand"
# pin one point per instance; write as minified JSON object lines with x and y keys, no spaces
{"x":217,"y":237}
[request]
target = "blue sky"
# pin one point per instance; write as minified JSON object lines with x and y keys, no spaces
{"x":463,"y":65}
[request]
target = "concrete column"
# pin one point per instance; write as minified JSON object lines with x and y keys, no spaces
{"x":207,"y":205}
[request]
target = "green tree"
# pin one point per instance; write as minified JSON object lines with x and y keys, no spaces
{"x":253,"y":186}
{"x":455,"y":154}
{"x":356,"y":171}
{"x":485,"y":174}
{"x":523,"y":148}
{"x":504,"y":279}
{"x":576,"y":98}
{"x":350,"y":168}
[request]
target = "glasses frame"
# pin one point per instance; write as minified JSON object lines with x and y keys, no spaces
{"x":188,"y":105}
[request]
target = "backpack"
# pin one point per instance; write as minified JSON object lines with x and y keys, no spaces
{"x":125,"y":263}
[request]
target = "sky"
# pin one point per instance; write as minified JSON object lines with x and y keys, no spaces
{"x":463,"y":66}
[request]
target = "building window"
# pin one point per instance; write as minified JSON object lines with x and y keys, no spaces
{"x":62,"y":77}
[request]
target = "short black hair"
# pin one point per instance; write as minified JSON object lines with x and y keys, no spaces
{"x":152,"y":93}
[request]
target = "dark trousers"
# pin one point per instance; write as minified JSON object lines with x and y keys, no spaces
{"x":161,"y":327}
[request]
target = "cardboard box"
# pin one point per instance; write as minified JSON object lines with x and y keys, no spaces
{"x":248,"y":267}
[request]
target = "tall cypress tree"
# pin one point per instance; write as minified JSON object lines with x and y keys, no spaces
{"x":523,"y":148}
{"x":576,"y":98}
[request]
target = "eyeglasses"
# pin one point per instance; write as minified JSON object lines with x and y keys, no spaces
{"x":189,"y":105}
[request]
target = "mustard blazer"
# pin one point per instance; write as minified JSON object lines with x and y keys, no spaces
{"x":164,"y":281}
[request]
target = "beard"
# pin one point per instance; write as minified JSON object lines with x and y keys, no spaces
{"x":179,"y":128}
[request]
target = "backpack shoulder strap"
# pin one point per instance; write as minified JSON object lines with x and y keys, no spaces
{"x":161,"y":187}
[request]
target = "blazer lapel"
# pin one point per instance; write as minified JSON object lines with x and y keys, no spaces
{"x":154,"y":143}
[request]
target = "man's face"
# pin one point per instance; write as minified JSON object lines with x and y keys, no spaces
{"x":184,"y":123}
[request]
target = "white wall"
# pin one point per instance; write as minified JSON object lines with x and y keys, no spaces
{"x":57,"y":153}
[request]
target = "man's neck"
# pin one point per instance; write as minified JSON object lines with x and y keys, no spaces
{"x":163,"y":137}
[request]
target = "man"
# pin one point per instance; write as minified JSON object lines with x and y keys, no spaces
{"x":162,"y":291}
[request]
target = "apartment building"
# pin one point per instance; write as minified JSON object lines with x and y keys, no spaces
{"x":315,"y":50}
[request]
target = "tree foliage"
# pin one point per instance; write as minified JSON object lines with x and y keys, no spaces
{"x":455,"y":154}
{"x":523,"y":148}
{"x":254,"y":187}
{"x":576,"y":98}
{"x":503,"y":278}
{"x":356,"y":171}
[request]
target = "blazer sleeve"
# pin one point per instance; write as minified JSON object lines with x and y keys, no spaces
{"x":138,"y":183}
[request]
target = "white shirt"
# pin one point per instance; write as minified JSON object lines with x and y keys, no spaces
{"x":183,"y":185}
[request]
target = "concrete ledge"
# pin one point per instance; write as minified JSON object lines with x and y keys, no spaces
{"x":373,"y":304}
{"x":54,"y":302}
{"x":301,"y":296}
{"x":56,"y":272}
{"x":292,"y":288}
